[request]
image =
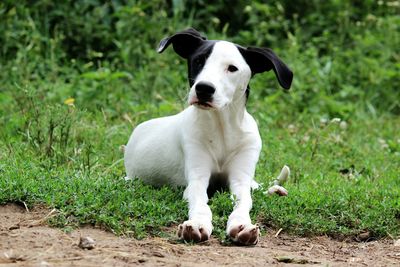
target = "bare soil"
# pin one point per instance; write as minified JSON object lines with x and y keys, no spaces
{"x":26,"y":240}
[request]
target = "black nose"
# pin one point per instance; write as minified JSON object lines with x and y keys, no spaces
{"x":204,"y":91}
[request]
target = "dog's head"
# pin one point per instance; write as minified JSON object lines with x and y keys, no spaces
{"x":218,"y":71}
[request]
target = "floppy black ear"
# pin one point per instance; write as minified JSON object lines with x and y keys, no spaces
{"x":184,"y":42}
{"x":264,"y":59}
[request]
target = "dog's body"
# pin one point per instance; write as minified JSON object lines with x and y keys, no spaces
{"x":213,"y":137}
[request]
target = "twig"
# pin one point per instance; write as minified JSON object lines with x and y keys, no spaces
{"x":26,"y":207}
{"x":279,"y":231}
{"x":40,"y":221}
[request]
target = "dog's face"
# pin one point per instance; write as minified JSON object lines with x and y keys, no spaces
{"x":218,"y":75}
{"x":218,"y":71}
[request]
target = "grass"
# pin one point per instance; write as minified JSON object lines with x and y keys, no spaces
{"x":73,"y":87}
{"x":344,"y":177}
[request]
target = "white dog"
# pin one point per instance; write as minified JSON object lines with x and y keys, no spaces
{"x":212,"y":140}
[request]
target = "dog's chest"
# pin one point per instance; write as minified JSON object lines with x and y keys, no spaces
{"x":217,"y":136}
{"x":219,"y":146}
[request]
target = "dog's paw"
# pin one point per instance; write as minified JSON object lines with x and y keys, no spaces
{"x":244,"y":234}
{"x":192,"y":231}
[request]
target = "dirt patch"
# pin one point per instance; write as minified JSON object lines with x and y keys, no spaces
{"x":26,"y":241}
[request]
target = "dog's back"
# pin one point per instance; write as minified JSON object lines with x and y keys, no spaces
{"x":152,"y":153}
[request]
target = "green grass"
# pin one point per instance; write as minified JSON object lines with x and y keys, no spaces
{"x":79,"y":171}
{"x":345,"y":177}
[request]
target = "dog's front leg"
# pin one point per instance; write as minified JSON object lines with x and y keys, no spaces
{"x":239,"y":226}
{"x":198,"y":171}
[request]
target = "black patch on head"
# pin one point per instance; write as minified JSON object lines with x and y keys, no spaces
{"x":197,"y":60}
{"x":192,"y":46}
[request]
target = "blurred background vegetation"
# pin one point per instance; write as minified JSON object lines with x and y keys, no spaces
{"x":345,"y":54}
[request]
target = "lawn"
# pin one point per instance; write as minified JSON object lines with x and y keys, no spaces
{"x":65,"y":112}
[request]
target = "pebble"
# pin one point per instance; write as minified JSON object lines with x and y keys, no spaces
{"x":86,"y":242}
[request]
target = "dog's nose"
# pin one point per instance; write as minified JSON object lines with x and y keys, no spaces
{"x":204,"y":91}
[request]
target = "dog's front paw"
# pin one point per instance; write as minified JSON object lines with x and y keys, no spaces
{"x":193,"y":231}
{"x":244,"y":234}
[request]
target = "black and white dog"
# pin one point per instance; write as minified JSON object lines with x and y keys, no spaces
{"x":212,"y":138}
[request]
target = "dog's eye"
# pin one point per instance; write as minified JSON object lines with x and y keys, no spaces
{"x":198,"y":62}
{"x":232,"y":68}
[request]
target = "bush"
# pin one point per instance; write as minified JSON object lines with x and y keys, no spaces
{"x":343,"y":53}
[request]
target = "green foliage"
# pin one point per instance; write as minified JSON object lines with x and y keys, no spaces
{"x":77,"y":76}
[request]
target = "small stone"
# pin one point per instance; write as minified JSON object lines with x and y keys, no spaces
{"x":397,"y":243}
{"x":86,"y":242}
{"x":364,"y":236}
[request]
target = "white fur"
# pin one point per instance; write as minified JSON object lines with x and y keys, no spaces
{"x":185,"y":149}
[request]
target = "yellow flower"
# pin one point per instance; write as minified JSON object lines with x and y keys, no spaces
{"x":69,"y":101}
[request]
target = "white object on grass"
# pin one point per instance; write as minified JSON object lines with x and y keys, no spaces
{"x":279,"y":181}
{"x":283,"y":176}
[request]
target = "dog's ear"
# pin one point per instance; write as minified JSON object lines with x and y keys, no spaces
{"x":264,"y":59}
{"x":184,"y":42}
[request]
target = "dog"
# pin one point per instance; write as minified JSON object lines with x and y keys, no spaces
{"x":213,"y":139}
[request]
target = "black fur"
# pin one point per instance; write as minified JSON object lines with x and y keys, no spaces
{"x":197,"y":60}
{"x":264,"y":59}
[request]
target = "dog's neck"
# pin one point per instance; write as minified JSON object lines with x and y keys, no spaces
{"x":229,"y":118}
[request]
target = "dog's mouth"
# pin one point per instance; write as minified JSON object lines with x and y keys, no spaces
{"x":202,"y":104}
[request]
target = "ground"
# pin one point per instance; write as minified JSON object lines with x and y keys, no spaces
{"x":26,"y":240}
